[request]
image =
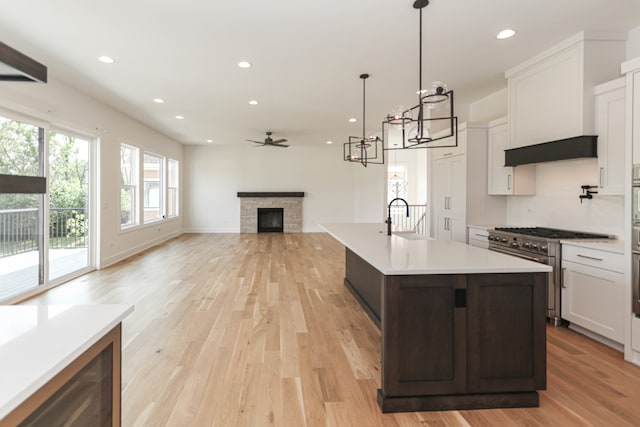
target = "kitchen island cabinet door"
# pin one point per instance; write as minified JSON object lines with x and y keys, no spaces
{"x":506,"y":332}
{"x":424,"y":338}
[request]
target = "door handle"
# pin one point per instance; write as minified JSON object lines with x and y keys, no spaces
{"x":601,"y":177}
{"x":509,"y":182}
{"x":562,"y":279}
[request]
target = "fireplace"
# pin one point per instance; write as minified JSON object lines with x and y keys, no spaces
{"x":289,"y":203}
{"x":270,"y":220}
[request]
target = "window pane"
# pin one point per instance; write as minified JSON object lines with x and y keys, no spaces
{"x":172,"y":191}
{"x":153,"y":187}
{"x":20,"y":236}
{"x":128,"y":185}
{"x":19,"y":148}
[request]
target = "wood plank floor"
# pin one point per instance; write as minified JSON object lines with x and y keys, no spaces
{"x":259,"y":330}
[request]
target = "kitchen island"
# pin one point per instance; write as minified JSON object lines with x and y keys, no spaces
{"x":462,"y":327}
{"x":60,"y":364}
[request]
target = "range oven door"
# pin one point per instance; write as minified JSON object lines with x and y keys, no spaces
{"x":553,"y":281}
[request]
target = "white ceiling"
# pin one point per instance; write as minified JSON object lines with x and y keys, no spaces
{"x":306,"y":55}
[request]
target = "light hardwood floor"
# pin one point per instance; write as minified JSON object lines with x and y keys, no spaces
{"x":259,"y":330}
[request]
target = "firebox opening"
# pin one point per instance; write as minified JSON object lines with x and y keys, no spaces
{"x":270,"y":220}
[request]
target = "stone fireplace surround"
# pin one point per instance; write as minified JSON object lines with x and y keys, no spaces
{"x":291,"y":202}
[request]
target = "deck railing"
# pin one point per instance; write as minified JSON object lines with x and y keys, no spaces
{"x":19,"y":229}
{"x":416,"y":221}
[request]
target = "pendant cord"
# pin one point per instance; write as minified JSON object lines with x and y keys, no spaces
{"x":364,"y":116}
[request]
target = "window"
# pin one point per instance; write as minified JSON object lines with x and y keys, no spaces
{"x":153,"y":187}
{"x":172,"y":187}
{"x":128,"y":185}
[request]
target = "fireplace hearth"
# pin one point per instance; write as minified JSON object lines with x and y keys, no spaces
{"x":270,"y":220}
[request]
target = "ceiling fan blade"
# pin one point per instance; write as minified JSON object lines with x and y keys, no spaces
{"x":257,"y":142}
{"x":279,"y":145}
{"x":278,"y":141}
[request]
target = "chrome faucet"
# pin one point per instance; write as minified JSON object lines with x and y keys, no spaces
{"x":388,"y":221}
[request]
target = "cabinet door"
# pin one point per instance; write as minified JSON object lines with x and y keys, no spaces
{"x":506,"y":332}
{"x":610,"y":127}
{"x":635,"y":117}
{"x":423,"y":335}
{"x":499,"y":176}
{"x":594,"y":299}
{"x":443,"y":227}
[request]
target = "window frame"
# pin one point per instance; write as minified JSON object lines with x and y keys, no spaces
{"x":134,"y":177}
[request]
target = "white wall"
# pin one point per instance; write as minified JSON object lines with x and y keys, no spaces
{"x":556,"y":203}
{"x":633,"y":43}
{"x":62,"y":106}
{"x":335,"y":190}
{"x":489,"y":108}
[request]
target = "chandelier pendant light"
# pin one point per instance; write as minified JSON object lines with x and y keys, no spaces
{"x":429,"y":124}
{"x":364,"y":149}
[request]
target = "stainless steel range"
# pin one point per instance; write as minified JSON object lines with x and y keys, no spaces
{"x":541,"y":245}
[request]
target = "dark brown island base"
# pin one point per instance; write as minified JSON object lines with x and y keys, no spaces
{"x":452,"y":341}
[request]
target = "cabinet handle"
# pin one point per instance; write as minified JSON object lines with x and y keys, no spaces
{"x":509,"y":182}
{"x":447,"y":154}
{"x":601,"y":177}
{"x":590,"y":257}
{"x":562,"y":279}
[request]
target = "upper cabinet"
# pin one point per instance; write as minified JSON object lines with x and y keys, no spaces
{"x":505,"y":180}
{"x":551,"y":97}
{"x":610,"y":128}
{"x":632,"y":70}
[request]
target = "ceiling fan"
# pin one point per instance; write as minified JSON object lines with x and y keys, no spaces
{"x":269,"y":141}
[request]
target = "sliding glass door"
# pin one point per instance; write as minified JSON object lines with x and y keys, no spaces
{"x":44,"y":222}
{"x":22,"y":189}
{"x":69,"y":219}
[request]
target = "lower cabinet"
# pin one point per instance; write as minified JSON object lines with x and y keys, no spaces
{"x":593,"y":291}
{"x":462,"y":341}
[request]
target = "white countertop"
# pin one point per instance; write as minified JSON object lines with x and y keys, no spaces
{"x":394,"y":255}
{"x":609,"y":245}
{"x":38,"y":341}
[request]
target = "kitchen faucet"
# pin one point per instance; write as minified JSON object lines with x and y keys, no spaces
{"x":388,"y":221}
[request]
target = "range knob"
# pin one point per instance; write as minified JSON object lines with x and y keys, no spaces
{"x":490,"y":238}
{"x":527,"y":245}
{"x":504,"y":240}
{"x":514,"y":244}
{"x":544,"y":249}
{"x":534,"y":246}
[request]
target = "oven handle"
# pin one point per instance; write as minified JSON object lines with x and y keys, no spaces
{"x":530,"y":258}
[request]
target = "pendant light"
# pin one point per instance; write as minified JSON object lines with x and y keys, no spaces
{"x":431,"y":120}
{"x":362,"y":149}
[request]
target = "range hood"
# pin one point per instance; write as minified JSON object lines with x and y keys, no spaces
{"x":17,"y":67}
{"x":562,"y":149}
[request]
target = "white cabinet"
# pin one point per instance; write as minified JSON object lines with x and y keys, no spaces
{"x":449,"y":179}
{"x":593,"y":290}
{"x":506,"y":180}
{"x":610,"y":128}
{"x":632,"y":70}
{"x":457,"y":193}
{"x":479,"y":236}
{"x":550,"y":96}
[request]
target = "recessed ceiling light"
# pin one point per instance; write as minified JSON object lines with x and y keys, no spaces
{"x":253,"y":102}
{"x":329,"y":142}
{"x":179,"y":117}
{"x":244,"y":64}
{"x":106,"y":59}
{"x":352,"y":120}
{"x":209,"y":141}
{"x":158,"y":100}
{"x":505,"y":34}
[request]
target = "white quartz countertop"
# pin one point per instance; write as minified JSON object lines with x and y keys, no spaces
{"x":395,"y":255}
{"x":608,"y":245}
{"x":38,"y":341}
